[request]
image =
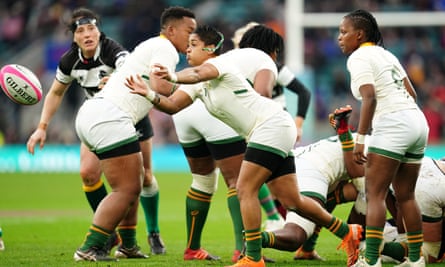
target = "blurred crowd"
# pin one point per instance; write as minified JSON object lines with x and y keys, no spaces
{"x":420,"y":50}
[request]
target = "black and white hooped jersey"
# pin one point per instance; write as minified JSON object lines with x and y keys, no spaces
{"x":88,"y":72}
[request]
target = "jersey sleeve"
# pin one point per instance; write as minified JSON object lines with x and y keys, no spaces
{"x":165,"y":55}
{"x":190,"y":89}
{"x":220,"y":64}
{"x":287,"y":79}
{"x":285,"y":76}
{"x":63,"y":72}
{"x":113,"y":54}
{"x":361,"y":73}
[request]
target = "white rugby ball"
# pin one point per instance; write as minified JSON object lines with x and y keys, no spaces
{"x":20,"y":84}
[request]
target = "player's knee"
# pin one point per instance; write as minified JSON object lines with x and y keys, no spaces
{"x":89,"y":176}
{"x":206,"y":183}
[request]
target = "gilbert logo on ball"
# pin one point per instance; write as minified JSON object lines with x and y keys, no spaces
{"x":20,"y":84}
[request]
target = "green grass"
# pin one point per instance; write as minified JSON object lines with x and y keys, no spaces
{"x":44,"y":218}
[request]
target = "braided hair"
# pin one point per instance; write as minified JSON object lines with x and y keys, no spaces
{"x":264,"y":39}
{"x":363,"y":20}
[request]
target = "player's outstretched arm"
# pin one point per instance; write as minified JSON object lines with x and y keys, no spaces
{"x":171,"y":105}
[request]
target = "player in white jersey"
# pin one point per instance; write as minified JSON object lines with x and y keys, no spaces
{"x":321,"y":168}
{"x":253,"y":35}
{"x":91,"y":58}
{"x":209,"y":143}
{"x":228,"y":96}
{"x":246,"y":37}
{"x":399,"y":132}
{"x":105,"y":123}
{"x":430,"y":196}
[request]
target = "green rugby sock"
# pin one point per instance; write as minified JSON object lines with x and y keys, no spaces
{"x":197,"y":208}
{"x":95,"y":194}
{"x":150,"y":205}
{"x":267,"y":203}
{"x":235,"y":214}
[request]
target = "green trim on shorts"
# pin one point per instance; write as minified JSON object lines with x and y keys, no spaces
{"x":118,"y":144}
{"x":386,"y":153}
{"x":193,"y":144}
{"x":430,"y":219}
{"x":414,"y":156}
{"x":314,"y":195}
{"x":268,"y":149}
{"x":393,"y":155}
{"x":226,"y":141}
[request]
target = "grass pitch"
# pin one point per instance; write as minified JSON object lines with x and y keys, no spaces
{"x":45,"y":217}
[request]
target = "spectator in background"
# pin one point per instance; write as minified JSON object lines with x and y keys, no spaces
{"x":13,"y":23}
{"x":140,"y":21}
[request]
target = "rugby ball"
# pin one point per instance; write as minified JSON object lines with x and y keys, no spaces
{"x":20,"y":84}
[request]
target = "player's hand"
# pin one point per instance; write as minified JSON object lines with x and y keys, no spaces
{"x":137,"y":85}
{"x":39,"y":136}
{"x":103,"y":81}
{"x":160,"y":71}
{"x":299,"y":135}
{"x":359,"y":154}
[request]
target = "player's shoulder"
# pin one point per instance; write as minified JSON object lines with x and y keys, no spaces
{"x":110,"y":44}
{"x":69,"y":58}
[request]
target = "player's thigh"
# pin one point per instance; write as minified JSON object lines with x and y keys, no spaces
{"x":90,"y":170}
{"x":195,"y":123}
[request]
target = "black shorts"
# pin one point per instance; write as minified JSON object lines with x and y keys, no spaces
{"x":144,"y":129}
{"x":216,"y":151}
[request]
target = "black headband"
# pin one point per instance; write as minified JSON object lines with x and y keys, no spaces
{"x":82,"y":21}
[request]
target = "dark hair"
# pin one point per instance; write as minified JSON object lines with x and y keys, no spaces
{"x":175,"y":13}
{"x":210,"y":36}
{"x":264,"y":39}
{"x":80,"y":13}
{"x":363,"y":20}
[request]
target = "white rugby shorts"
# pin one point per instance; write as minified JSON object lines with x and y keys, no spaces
{"x":195,"y":123}
{"x":277,"y":132}
{"x":400,"y":135}
{"x":102,"y":126}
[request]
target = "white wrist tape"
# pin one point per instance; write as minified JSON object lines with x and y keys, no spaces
{"x":360,"y":139}
{"x":150,"y":95}
{"x":173,"y":77}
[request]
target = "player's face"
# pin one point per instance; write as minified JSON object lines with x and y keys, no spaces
{"x":181,"y":32}
{"x":195,"y":53}
{"x":87,"y":38}
{"x":348,"y":37}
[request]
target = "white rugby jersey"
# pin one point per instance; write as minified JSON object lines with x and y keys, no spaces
{"x":285,"y":76}
{"x":430,"y":189}
{"x":250,"y":61}
{"x":327,"y":156}
{"x":375,"y":65}
{"x":231,"y":98}
{"x":154,"y":50}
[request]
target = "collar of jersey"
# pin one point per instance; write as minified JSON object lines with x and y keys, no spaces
{"x":162,"y":36}
{"x":367,"y":44}
{"x":96,"y":54}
